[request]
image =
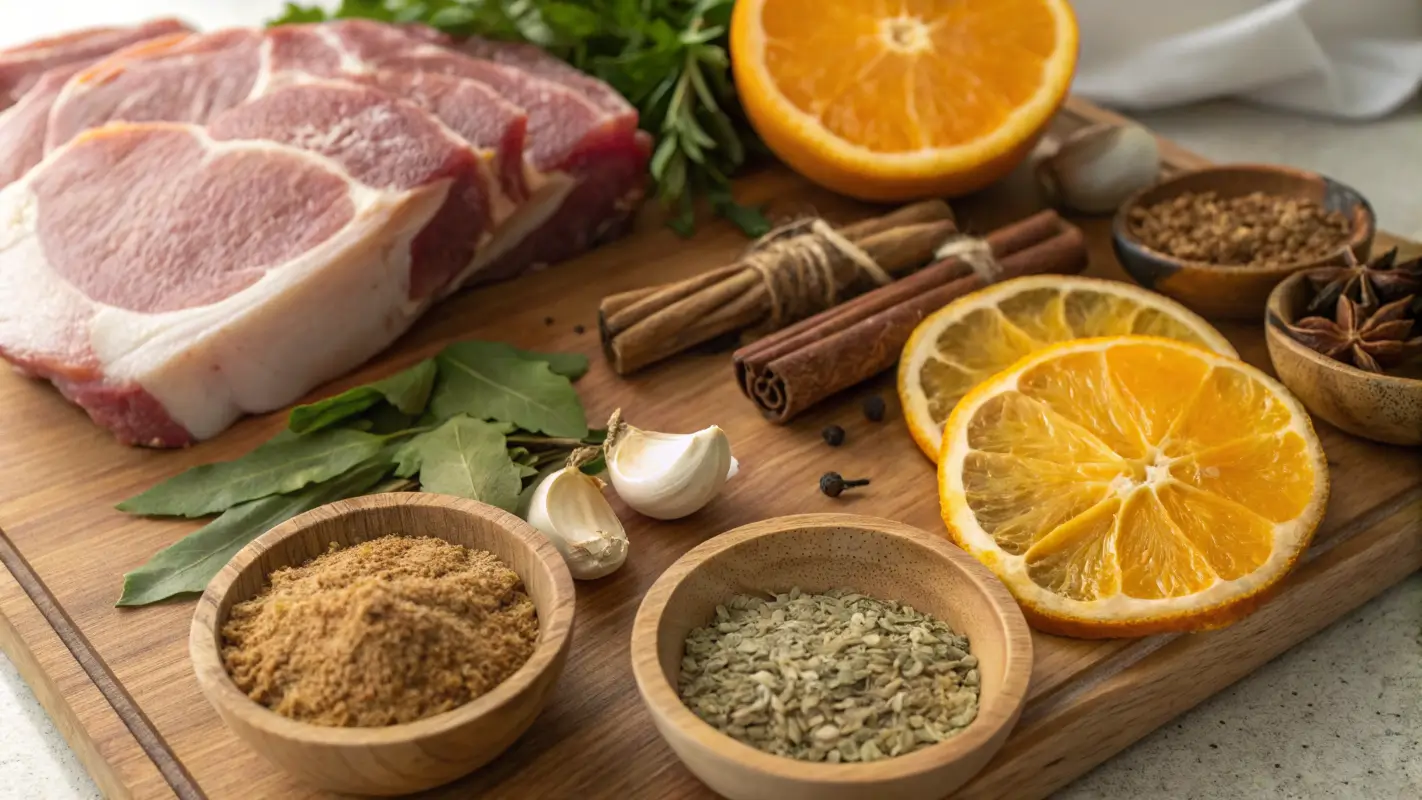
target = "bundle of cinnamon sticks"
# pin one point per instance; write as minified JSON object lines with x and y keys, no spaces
{"x":790,"y":370}
{"x":756,"y":295}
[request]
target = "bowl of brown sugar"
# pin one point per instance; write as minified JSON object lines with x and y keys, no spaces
{"x":1219,"y":239}
{"x":386,"y":644}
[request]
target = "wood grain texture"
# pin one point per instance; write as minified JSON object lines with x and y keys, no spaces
{"x":819,"y":552}
{"x":1384,"y":408}
{"x":1086,"y":701}
{"x":397,"y":759}
{"x":115,"y":761}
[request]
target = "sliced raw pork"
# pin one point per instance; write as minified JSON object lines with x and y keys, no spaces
{"x":22,"y":67}
{"x":223,"y":221}
{"x":266,"y":269}
{"x":578,"y":174}
{"x":33,"y":76}
{"x":23,"y":125}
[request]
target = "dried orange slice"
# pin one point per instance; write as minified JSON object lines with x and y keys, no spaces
{"x":1132,"y":485}
{"x":907,"y":98}
{"x":972,"y":338}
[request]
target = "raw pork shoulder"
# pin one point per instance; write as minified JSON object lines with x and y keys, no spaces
{"x":223,"y":221}
{"x":22,"y":67}
{"x":32,"y":77}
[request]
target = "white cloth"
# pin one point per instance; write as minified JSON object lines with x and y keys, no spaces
{"x":1355,"y":59}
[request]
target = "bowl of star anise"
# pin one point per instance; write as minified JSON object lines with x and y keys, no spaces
{"x":1348,"y":341}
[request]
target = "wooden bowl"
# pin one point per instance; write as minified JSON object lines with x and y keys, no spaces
{"x":397,"y":759}
{"x":818,"y":552}
{"x":1234,"y":292}
{"x":1384,"y":408}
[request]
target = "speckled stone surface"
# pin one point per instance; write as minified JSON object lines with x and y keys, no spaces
{"x":35,"y":763}
{"x":1339,"y":716}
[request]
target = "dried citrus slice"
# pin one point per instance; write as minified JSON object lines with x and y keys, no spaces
{"x":1130,"y":485}
{"x":911,"y":98}
{"x":970,"y":339}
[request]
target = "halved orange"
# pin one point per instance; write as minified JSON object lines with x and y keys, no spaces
{"x":973,"y":337}
{"x":894,"y":99}
{"x":1132,"y":485}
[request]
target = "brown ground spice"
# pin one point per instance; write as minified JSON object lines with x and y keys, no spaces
{"x":388,"y":631}
{"x":1257,"y":229}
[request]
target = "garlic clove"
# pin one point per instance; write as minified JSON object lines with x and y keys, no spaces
{"x":570,"y":509}
{"x":669,"y":475}
{"x":1097,"y":168}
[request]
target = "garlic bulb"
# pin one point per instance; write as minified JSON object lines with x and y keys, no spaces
{"x":668,"y":475}
{"x":1097,"y":168}
{"x":569,"y":508}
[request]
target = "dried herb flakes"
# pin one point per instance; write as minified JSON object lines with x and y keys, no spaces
{"x":836,"y":677}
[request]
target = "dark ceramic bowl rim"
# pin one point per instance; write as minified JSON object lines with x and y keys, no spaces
{"x":1121,"y":229}
{"x":1275,"y":321}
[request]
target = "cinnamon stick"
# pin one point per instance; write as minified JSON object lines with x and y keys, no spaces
{"x":646,"y":325}
{"x":795,"y":368}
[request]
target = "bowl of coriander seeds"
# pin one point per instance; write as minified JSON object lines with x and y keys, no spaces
{"x":1219,"y":239}
{"x":831,"y":656}
{"x":385,"y":644}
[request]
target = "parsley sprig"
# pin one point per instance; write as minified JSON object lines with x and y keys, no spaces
{"x":667,"y":57}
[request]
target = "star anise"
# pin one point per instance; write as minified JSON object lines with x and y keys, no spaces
{"x":1369,"y":285}
{"x":1367,"y":339}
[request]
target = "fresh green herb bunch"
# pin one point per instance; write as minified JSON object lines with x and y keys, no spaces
{"x":667,"y":57}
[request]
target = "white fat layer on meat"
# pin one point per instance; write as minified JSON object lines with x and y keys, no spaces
{"x":526,"y":219}
{"x":304,"y":322}
{"x":39,"y":312}
{"x":350,"y":62}
{"x":264,"y":69}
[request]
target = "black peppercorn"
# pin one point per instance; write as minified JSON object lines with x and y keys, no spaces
{"x":874,"y":408}
{"x":578,"y":329}
{"x":833,"y":484}
{"x":833,"y":435}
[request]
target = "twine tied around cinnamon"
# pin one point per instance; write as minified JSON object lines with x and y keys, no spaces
{"x":794,"y":272}
{"x":797,"y":262}
{"x":974,"y":252}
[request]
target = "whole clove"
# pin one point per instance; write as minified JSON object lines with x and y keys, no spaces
{"x":833,"y":484}
{"x":833,"y":435}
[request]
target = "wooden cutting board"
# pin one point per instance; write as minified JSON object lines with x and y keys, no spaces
{"x":119,"y":685}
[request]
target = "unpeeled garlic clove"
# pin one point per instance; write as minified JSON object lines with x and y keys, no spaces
{"x":1097,"y":168}
{"x":570,"y":509}
{"x":668,"y":475}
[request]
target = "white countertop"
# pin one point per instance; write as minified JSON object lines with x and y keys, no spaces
{"x":1339,"y":716}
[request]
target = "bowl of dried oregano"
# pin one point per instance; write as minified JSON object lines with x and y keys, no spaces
{"x":831,"y":656}
{"x":385,"y":644}
{"x":1218,"y":239}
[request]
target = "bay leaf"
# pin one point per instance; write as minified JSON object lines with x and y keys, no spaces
{"x":468,"y":457}
{"x":490,"y":380}
{"x":570,"y":365}
{"x":189,"y":564}
{"x":282,"y":465}
{"x":407,"y":458}
{"x":407,"y":390}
